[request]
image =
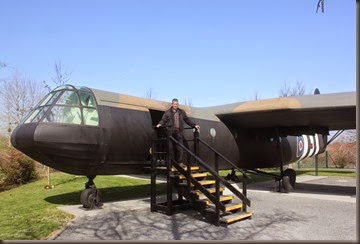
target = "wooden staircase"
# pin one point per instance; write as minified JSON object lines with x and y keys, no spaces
{"x":193,"y":188}
{"x":232,"y":213}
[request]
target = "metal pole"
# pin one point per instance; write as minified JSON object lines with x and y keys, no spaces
{"x":327,"y":159}
{"x":244,"y":185}
{"x":153,"y":175}
{"x":168,"y":178}
{"x":196,"y":144}
{"x":316,"y":164}
{"x":217,"y":187}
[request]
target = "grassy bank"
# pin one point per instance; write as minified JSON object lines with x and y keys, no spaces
{"x":30,"y":212}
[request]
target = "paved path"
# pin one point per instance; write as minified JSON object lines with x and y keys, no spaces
{"x":320,"y":208}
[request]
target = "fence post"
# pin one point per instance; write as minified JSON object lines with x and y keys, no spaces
{"x":316,"y":165}
{"x":327,"y":158}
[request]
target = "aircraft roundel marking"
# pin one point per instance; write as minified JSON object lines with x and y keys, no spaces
{"x":213,"y":132}
{"x":312,"y":146}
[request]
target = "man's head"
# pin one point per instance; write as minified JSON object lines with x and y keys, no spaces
{"x":175,"y":103}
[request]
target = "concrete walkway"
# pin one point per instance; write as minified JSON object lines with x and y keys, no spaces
{"x":299,"y":215}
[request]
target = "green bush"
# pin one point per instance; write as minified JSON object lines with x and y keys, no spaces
{"x":16,"y":169}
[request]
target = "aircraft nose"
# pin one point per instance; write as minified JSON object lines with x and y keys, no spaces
{"x":23,"y":136}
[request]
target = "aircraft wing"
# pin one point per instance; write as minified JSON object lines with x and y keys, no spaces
{"x":293,"y":115}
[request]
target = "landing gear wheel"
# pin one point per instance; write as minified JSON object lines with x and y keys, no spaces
{"x":90,"y":198}
{"x":289,"y":179}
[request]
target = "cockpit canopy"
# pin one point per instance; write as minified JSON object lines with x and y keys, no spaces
{"x":66,"y":104}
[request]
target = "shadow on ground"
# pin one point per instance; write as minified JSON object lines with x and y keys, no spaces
{"x":310,"y":188}
{"x":108,"y":194}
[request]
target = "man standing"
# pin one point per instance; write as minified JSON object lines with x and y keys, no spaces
{"x":174,"y":118}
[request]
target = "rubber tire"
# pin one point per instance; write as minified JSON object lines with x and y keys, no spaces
{"x":87,"y":197}
{"x":292,"y":176}
{"x":285,"y":182}
{"x":289,"y":179}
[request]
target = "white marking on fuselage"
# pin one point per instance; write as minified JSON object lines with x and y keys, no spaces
{"x":306,"y":147}
{"x":311,"y":146}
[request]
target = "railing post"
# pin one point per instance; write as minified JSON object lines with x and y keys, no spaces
{"x":168,"y":178}
{"x":244,"y":186}
{"x":196,"y":143}
{"x":217,"y":187}
{"x":327,"y":158}
{"x":153,"y":174}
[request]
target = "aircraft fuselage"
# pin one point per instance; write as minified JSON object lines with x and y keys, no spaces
{"x":120,"y":140}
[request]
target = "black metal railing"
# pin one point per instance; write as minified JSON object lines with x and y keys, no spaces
{"x":242,"y":196}
{"x":171,"y":162}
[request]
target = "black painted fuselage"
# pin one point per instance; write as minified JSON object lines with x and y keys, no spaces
{"x":118,"y":140}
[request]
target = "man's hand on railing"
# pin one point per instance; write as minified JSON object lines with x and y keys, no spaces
{"x":161,"y":126}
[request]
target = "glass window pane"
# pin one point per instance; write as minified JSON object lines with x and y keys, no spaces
{"x":91,"y":116}
{"x":50,"y":98}
{"x":87,"y":99}
{"x":32,"y":115}
{"x":64,"y":114}
{"x":41,"y":114}
{"x":69,"y":98}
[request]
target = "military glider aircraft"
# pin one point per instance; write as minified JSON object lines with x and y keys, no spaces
{"x":84,"y":131}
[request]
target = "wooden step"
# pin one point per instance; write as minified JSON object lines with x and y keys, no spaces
{"x":228,"y":207}
{"x":223,"y":198}
{"x":196,"y":175}
{"x":232,"y":218}
{"x":210,"y":190}
{"x":192,"y":168}
{"x":201,"y":182}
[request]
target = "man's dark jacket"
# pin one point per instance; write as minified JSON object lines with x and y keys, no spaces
{"x":168,"y":119}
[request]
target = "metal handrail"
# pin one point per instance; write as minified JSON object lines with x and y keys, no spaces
{"x":214,"y":173}
{"x":223,"y":157}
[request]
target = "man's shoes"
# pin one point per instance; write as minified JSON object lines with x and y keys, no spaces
{"x":182,"y":165}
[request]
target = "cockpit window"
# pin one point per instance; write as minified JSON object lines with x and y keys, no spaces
{"x":64,"y":114}
{"x":91,"y":116}
{"x":69,"y":98}
{"x":50,"y":98}
{"x":40,"y":114}
{"x":66,"y":104}
{"x":87,"y":99}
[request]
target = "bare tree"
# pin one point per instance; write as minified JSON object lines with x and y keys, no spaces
{"x":149,"y":93}
{"x":61,"y":77}
{"x":256,"y":96}
{"x":18,"y":95}
{"x":348,"y":136}
{"x":188,"y":102}
{"x":3,"y":65}
{"x":287,"y":91}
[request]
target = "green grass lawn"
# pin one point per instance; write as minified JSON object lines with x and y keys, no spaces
{"x":30,"y":212}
